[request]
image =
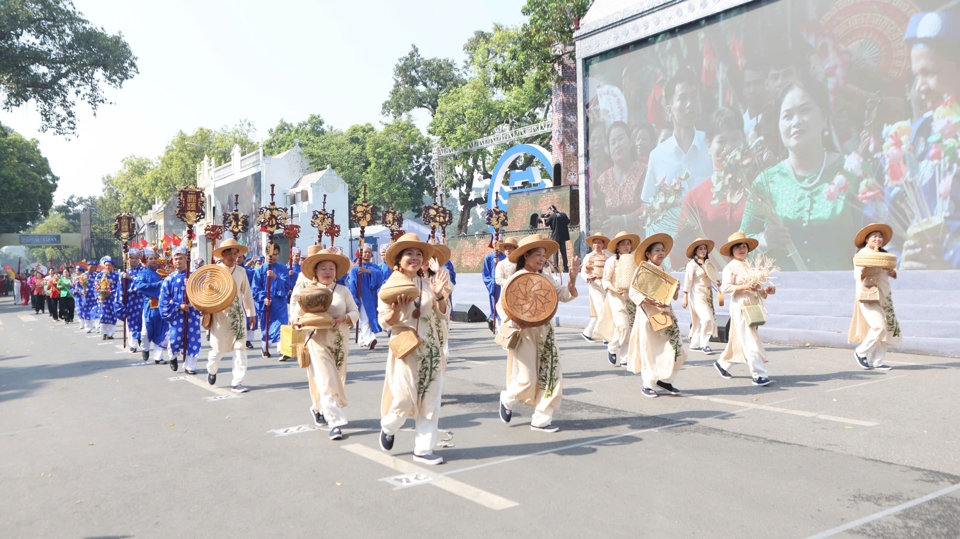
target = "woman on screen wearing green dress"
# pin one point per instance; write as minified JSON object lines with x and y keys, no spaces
{"x":801,"y":209}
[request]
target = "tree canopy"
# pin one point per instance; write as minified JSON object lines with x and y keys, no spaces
{"x":419,"y":82}
{"x":51,"y":54}
{"x":26,"y":182}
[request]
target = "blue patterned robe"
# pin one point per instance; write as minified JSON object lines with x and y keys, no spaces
{"x":108,"y":313}
{"x":132,"y":312}
{"x":385,"y":271}
{"x":173,"y":293}
{"x":370,"y":285}
{"x":296,"y":273}
{"x":86,"y":298}
{"x":489,"y":279}
{"x":279,"y":297}
{"x":147,"y":283}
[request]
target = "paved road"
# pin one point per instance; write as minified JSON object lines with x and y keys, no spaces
{"x":97,"y":444}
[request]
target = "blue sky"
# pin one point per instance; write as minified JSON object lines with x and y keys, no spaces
{"x":211,"y":63}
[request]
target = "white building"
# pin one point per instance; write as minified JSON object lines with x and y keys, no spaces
{"x":246,"y":180}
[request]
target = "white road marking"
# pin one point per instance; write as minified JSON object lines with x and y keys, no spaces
{"x":27,"y":317}
{"x":175,"y":378}
{"x":482,"y":497}
{"x":139,"y":364}
{"x":884,"y":379}
{"x":277,"y":389}
{"x":222,"y":397}
{"x":931,"y":365}
{"x":213,"y":389}
{"x":408,"y":480}
{"x":105,"y":343}
{"x":563,"y":448}
{"x":292,"y":430}
{"x":886,"y":512}
{"x":788,"y":411}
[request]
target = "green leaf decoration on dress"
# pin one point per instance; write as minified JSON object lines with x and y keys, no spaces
{"x":237,"y":319}
{"x":429,"y":355}
{"x":548,"y":363}
{"x":673,"y":332}
{"x":893,"y":326}
{"x":337,"y":350}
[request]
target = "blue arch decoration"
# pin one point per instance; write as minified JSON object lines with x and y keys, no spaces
{"x":499,"y":193}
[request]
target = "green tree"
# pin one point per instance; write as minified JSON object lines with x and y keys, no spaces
{"x":55,"y":223}
{"x":132,"y":186}
{"x":419,"y":82}
{"x":26,"y":182}
{"x":52,"y":55}
{"x":399,"y":171}
{"x":282,"y":137}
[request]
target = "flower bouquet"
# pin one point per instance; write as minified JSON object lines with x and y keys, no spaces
{"x":103,"y":288}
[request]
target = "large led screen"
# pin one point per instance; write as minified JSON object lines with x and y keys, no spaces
{"x":794,"y":121}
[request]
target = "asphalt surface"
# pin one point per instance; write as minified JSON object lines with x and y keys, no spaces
{"x":95,"y":443}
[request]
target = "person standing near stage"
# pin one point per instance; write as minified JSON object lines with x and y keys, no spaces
{"x":228,"y":328}
{"x":744,"y":344}
{"x":616,"y":318}
{"x":874,"y":324}
{"x":414,"y":383}
{"x":295,"y":266}
{"x":365,"y":294}
{"x":592,"y":273}
{"x":53,"y":294}
{"x":534,"y":376}
{"x":276,"y":302}
{"x":173,"y":305}
{"x":698,"y":294}
{"x":107,"y":286}
{"x":130,"y":304}
{"x":328,"y":348}
{"x":559,"y":225}
{"x":154,"y":328}
{"x":655,"y":354}
{"x":488,"y":274}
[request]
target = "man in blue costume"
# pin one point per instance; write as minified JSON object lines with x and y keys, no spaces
{"x":129,"y":304}
{"x":107,"y":285}
{"x":248,"y":267}
{"x":294,"y":270}
{"x":173,"y":305}
{"x":385,"y":269}
{"x":365,"y":295}
{"x":488,"y":273}
{"x":147,"y":283}
{"x":276,"y":302}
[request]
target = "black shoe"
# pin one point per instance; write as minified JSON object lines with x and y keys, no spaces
{"x":318,"y":418}
{"x":146,"y":355}
{"x":188,"y":371}
{"x":647,"y":392}
{"x":588,"y":339}
{"x":173,"y":364}
{"x":722,"y":371}
{"x":108,"y":338}
{"x":429,"y":459}
{"x":668,"y":388}
{"x":883,"y":367}
{"x":546,"y":428}
{"x":249,"y":346}
{"x":707,"y":350}
{"x":762,"y":381}
{"x":373,"y":344}
{"x":862,"y":361}
{"x":162,"y":361}
{"x":505,"y":415}
{"x":612,"y":358}
{"x":336,"y":433}
{"x":211,"y":379}
{"x":386,"y":441}
{"x":103,"y":337}
{"x":491,"y":325}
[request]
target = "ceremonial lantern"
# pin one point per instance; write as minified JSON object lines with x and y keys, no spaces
{"x":436,"y":216}
{"x":191,"y":204}
{"x":235,"y":222}
{"x":393,"y":220}
{"x":364,"y":214}
{"x":291,"y":232}
{"x":123,"y":229}
{"x":497,"y":220}
{"x":213,"y":232}
{"x":270,"y":218}
{"x":321,"y":220}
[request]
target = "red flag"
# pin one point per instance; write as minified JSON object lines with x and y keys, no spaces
{"x":177,"y":240}
{"x":655,"y":113}
{"x":166,"y":241}
{"x":143,"y":243}
{"x":708,"y":75}
{"x":736,"y":49}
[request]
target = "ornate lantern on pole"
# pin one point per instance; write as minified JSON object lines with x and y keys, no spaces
{"x":190,"y":209}
{"x":270,"y":218}
{"x":393,"y":220}
{"x":213,"y":233}
{"x":124,"y":227}
{"x":235,"y":222}
{"x":436,"y":216}
{"x":321,"y":220}
{"x":364,"y":214}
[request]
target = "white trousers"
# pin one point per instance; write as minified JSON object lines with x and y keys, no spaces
{"x":588,"y":331}
{"x":323,"y":401}
{"x":426,"y":429}
{"x":130,"y":342}
{"x":366,"y":332}
{"x":873,"y":349}
{"x":239,"y":364}
{"x":754,"y":362}
{"x":108,"y":329}
{"x":157,"y":352}
{"x":540,"y":418}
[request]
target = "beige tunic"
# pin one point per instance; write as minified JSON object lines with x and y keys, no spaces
{"x":655,"y":355}
{"x":618,"y":312}
{"x":743,"y":339}
{"x":328,"y":348}
{"x":700,"y":300}
{"x":874,"y":322}
{"x":534,"y":376}
{"x":228,"y":328}
{"x":503,"y":271}
{"x":597,"y":293}
{"x":413,"y":384}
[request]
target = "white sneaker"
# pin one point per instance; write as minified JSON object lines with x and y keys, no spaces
{"x":239,"y":388}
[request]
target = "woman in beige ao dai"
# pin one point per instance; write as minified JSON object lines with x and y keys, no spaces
{"x":616,"y":318}
{"x":593,"y":264}
{"x":874,"y":324}
{"x":534,"y":376}
{"x":698,"y":295}
{"x":656,"y":355}
{"x":744,"y":344}
{"x":413,"y":384}
{"x":328,"y":347}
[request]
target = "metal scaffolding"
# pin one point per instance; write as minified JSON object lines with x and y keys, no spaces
{"x":442,"y":153}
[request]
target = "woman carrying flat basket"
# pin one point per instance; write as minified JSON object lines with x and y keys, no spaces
{"x":328,"y":347}
{"x":534,"y":376}
{"x":416,"y":362}
{"x":874,"y":324}
{"x":744,"y":344}
{"x":656,"y":351}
